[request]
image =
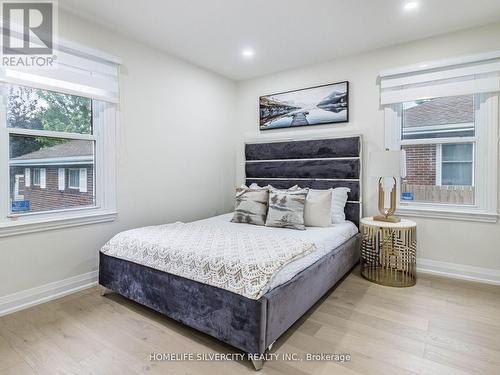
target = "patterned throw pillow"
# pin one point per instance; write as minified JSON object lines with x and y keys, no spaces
{"x":286,"y":208}
{"x":251,"y":206}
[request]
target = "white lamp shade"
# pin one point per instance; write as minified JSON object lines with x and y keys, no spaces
{"x":387,"y":164}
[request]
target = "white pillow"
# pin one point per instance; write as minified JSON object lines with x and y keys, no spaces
{"x":339,"y":200}
{"x":318,"y":208}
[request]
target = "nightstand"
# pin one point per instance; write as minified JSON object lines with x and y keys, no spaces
{"x":389,"y":252}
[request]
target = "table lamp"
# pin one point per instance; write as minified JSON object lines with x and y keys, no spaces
{"x":383,"y":164}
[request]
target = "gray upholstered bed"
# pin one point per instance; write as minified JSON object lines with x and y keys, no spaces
{"x":252,"y":325}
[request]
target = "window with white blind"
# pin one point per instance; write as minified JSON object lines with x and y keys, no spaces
{"x":444,"y":114}
{"x":59,"y":130}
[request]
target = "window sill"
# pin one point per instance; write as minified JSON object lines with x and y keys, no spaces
{"x":437,"y":213}
{"x":32,"y":225}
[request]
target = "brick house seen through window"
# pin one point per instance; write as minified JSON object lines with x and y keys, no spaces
{"x":56,"y":177}
{"x":437,"y":170}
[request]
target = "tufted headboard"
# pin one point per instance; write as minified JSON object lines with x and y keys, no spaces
{"x":317,"y":164}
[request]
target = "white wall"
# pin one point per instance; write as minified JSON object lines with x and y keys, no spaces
{"x":176,"y":136}
{"x":466,"y":243}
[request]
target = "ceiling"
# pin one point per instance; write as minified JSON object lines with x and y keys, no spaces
{"x":283,"y":33}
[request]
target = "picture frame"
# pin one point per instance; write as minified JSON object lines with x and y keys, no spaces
{"x":316,"y":105}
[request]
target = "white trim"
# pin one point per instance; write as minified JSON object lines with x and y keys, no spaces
{"x":61,"y":179}
{"x":439,"y":164}
{"x":48,"y":292}
{"x":430,"y":65}
{"x":46,"y":221}
{"x":50,"y":134}
{"x":459,"y":271}
{"x":447,"y":213}
{"x":27,"y":177}
{"x":429,"y":141}
{"x":471,"y":86}
{"x":440,"y":75}
{"x":67,"y":160}
{"x":82,"y":174}
{"x":43,"y":178}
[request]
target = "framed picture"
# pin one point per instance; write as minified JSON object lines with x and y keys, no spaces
{"x":326,"y":104}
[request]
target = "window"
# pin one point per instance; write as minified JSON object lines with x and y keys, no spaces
{"x":457,"y":164}
{"x":69,"y":121}
{"x":74,"y":179}
{"x":36,"y":176}
{"x":439,"y":168}
{"x":58,"y":126}
{"x":445,"y":118}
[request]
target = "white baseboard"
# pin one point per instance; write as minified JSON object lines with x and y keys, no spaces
{"x":459,"y":271}
{"x":35,"y":296}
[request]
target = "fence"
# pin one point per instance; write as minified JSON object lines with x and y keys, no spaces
{"x":442,"y":194}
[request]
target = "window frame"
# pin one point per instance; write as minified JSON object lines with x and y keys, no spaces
{"x":104,"y":209}
{"x":69,"y":178}
{"x":39,"y":170}
{"x":440,"y":162}
{"x":485,"y":165}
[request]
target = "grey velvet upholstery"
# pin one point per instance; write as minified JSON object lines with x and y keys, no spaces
{"x":249,"y":325}
{"x":287,"y":303}
{"x":317,"y":164}
{"x":230,"y":317}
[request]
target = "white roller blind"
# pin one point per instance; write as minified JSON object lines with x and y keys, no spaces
{"x":77,"y":71}
{"x":459,"y":76}
{"x":61,"y":179}
{"x":83,"y":180}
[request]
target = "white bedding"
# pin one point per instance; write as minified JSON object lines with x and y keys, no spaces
{"x":242,"y":262}
{"x":325,"y":240}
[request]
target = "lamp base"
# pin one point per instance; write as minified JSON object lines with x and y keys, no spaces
{"x":387,"y":219}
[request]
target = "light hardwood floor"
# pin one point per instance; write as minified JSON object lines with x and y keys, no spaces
{"x":440,"y":326}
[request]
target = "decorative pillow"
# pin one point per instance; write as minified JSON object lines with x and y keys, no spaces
{"x":251,"y":206}
{"x":339,"y":200}
{"x":318,"y":208}
{"x":286,"y":208}
{"x":256,"y":186}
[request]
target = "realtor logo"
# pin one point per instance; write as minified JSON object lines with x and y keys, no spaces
{"x":28,"y":33}
{"x":36,"y":20}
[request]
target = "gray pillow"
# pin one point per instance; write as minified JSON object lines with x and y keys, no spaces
{"x":286,"y":208}
{"x":251,"y":206}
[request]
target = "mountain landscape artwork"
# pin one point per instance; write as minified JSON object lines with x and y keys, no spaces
{"x":325,"y":104}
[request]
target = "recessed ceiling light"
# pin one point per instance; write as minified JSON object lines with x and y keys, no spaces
{"x":247,"y":53}
{"x":410,"y":5}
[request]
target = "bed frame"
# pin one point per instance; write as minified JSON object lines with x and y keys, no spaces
{"x":247,"y":324}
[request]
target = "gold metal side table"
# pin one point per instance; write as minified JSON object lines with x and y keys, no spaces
{"x":389,"y":252}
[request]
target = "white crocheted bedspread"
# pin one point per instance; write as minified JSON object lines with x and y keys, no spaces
{"x":242,"y":263}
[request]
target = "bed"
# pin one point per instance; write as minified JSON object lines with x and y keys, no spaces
{"x":252,"y":323}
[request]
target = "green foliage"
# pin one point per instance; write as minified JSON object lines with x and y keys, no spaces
{"x":66,"y":113}
{"x":30,"y":108}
